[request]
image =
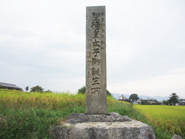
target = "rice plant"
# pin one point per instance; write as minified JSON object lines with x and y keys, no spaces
{"x":170,"y":119}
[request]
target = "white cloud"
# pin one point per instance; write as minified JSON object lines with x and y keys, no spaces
{"x":43,"y":42}
{"x":153,"y":86}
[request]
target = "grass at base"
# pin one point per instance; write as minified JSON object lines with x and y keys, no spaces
{"x":31,"y":123}
{"x":35,"y":123}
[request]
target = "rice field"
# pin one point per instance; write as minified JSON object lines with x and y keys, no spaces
{"x":29,"y":115}
{"x":61,"y":101}
{"x":16,"y":99}
{"x":167,"y":118}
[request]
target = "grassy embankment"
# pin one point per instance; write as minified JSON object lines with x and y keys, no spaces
{"x":30,"y":115}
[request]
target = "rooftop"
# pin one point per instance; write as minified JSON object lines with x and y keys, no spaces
{"x":9,"y":85}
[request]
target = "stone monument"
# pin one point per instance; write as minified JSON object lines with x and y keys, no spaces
{"x":96,"y":95}
{"x":96,"y":123}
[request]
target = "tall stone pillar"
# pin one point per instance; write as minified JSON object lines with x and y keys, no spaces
{"x":96,"y":95}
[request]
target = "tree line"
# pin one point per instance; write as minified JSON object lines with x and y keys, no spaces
{"x":37,"y":88}
{"x":173,"y":100}
{"x":82,"y":91}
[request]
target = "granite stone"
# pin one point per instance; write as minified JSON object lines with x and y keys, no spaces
{"x":96,"y":95}
{"x":177,"y":137}
{"x":104,"y":130}
{"x":110,"y":117}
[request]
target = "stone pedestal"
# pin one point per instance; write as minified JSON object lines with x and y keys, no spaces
{"x":111,"y":126}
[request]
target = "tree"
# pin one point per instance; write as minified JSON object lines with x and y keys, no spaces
{"x":165,"y":102}
{"x":36,"y":89}
{"x":47,"y":91}
{"x":27,"y":88}
{"x":156,"y":103}
{"x":82,"y":91}
{"x":173,"y":99}
{"x":145,"y":102}
{"x":133,"y":97}
{"x":108,"y":93}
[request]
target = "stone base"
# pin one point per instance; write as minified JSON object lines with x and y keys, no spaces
{"x":103,"y":130}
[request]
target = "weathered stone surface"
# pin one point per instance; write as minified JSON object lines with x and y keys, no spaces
{"x":177,"y":137}
{"x":110,"y":117}
{"x":96,"y":95}
{"x":110,"y":126}
{"x":104,"y":130}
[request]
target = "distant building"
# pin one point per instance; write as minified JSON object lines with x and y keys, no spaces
{"x":9,"y":86}
{"x":152,"y":101}
{"x":123,"y":98}
{"x":138,"y":101}
{"x":181,"y":101}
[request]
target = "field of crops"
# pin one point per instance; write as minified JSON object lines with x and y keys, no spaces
{"x":21,"y":100}
{"x":30,"y":115}
{"x":168,"y":118}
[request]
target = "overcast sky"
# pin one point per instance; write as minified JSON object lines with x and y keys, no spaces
{"x":42,"y":42}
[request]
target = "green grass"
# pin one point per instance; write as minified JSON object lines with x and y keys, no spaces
{"x":27,"y":123}
{"x":30,"y":115}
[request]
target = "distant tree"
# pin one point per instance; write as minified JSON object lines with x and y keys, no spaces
{"x":108,"y":93}
{"x":82,"y":91}
{"x":27,"y":88}
{"x":36,"y":89}
{"x":145,"y":102}
{"x":133,"y":97}
{"x":47,"y":91}
{"x":173,"y":99}
{"x":165,"y":102}
{"x":156,"y":103}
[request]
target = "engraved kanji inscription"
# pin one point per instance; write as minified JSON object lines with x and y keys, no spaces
{"x":95,"y":71}
{"x":96,"y":61}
